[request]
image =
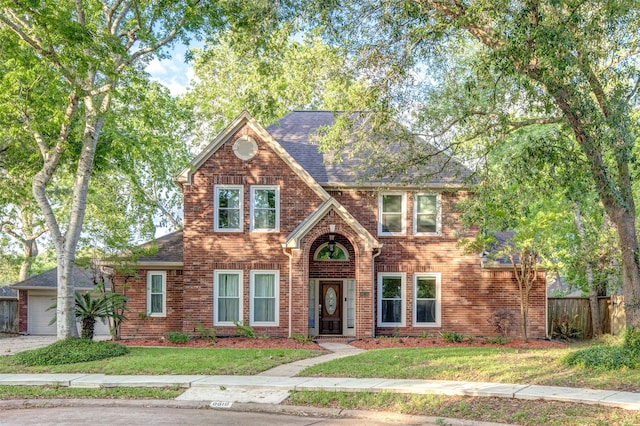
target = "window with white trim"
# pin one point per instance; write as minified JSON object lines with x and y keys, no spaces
{"x":426,"y":214}
{"x":227,"y":296}
{"x":228,"y":202}
{"x":426,"y":300}
{"x":264,"y":297}
{"x":392,"y":209}
{"x":391,"y":299}
{"x":265,"y":208}
{"x":156,"y":293}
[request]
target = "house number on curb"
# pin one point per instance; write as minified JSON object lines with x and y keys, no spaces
{"x":220,"y":404}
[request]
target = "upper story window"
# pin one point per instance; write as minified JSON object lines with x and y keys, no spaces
{"x":426,"y":214}
{"x":228,"y":208}
{"x":265,"y":208}
{"x":392,"y":208}
{"x":156,"y":293}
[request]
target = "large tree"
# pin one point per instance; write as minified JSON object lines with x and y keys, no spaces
{"x":528,"y":63}
{"x":87,"y":53}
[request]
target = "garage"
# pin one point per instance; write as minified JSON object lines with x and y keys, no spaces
{"x":39,"y":316}
{"x":38,"y":292}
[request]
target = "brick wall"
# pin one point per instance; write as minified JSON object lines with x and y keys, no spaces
{"x":469,"y":295}
{"x":23,"y":312}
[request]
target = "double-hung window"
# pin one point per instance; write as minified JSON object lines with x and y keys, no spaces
{"x":391,"y":299}
{"x":426,"y":300}
{"x":426,"y":214}
{"x":227,"y":297}
{"x":228,"y":208}
{"x":264,"y":297}
{"x":392,"y":213}
{"x":265,"y":208}
{"x":156,"y":293}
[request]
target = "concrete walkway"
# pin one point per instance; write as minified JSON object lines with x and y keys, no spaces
{"x":273,"y":386}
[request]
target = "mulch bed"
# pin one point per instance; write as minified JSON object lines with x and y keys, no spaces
{"x":377,"y":343}
{"x":418,"y":342}
{"x":226,"y":342}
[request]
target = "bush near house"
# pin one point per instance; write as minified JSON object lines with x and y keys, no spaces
{"x":69,"y":351}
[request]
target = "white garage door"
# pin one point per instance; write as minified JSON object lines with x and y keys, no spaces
{"x":39,"y":317}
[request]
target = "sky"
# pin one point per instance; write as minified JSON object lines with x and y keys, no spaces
{"x":172,"y":72}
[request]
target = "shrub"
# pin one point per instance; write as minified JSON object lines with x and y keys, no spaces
{"x":498,"y":340}
{"x":603,"y":357}
{"x":300,"y":338}
{"x":206,"y":333}
{"x":564,"y":329}
{"x":451,"y":336}
{"x":69,"y":351}
{"x":177,"y":337}
{"x":632,"y":341}
{"x":245,"y":330}
{"x":502,"y":320}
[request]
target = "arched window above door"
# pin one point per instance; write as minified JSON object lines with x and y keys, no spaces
{"x":340,"y":253}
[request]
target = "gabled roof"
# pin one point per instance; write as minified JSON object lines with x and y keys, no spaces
{"x":293,"y":239}
{"x":299,"y":133}
{"x":245,"y":119}
{"x":48,"y":280}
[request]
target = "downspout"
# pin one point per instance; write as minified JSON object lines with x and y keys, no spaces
{"x":290,"y":256}
{"x":373,"y":292}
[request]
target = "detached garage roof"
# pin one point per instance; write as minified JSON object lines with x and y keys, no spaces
{"x":84,"y":279}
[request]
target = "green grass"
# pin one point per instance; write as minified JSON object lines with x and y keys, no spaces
{"x":478,"y":364}
{"x":174,"y":361}
{"x":51,"y":392}
{"x":500,"y":410}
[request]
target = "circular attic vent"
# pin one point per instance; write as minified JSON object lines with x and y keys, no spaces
{"x":245,"y":148}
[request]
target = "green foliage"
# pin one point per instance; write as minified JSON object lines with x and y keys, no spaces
{"x":70,"y":351}
{"x":452,"y":336}
{"x":203,"y":332}
{"x":632,"y":342}
{"x":300,"y":338}
{"x":564,"y":329}
{"x":177,"y":337}
{"x":603,"y":358}
{"x":103,"y":306}
{"x":497,"y":340}
{"x":244,"y":330}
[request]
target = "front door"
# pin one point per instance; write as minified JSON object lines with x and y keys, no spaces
{"x":331,"y":313}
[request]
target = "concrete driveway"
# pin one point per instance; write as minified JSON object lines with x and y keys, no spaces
{"x":10,"y":345}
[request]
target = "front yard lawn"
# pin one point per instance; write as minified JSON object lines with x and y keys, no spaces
{"x":477,"y":364}
{"x":175,"y":361}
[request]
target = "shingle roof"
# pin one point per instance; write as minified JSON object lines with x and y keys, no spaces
{"x":298,"y":133}
{"x":83,"y":278}
{"x":7,"y":292}
{"x":169,"y":248}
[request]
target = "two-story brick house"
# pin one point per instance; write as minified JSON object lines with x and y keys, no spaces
{"x":280,"y":239}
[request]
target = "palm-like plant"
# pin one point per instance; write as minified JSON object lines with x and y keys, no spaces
{"x":89,"y":309}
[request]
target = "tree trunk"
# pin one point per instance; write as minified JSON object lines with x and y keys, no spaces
{"x":30,"y":252}
{"x":626,"y":228}
{"x":88,"y":327}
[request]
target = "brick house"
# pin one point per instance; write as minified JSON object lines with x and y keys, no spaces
{"x":279,"y":239}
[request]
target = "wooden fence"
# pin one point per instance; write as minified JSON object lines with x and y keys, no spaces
{"x":576,"y":313}
{"x":8,"y":316}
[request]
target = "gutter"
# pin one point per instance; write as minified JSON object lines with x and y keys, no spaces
{"x":373,"y":292}
{"x":290,"y":256}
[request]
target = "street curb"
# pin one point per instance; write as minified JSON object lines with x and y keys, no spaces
{"x":296,"y":410}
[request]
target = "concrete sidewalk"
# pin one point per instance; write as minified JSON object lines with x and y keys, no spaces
{"x":273,"y":389}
